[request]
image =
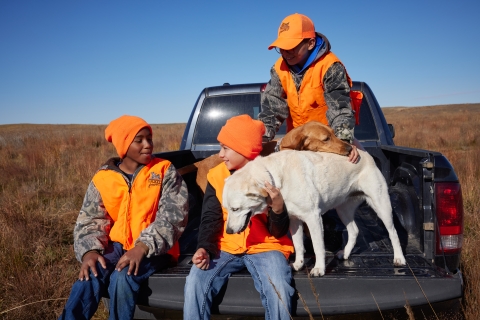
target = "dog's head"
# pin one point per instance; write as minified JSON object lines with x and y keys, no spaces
{"x":314,"y":136}
{"x":243,"y":197}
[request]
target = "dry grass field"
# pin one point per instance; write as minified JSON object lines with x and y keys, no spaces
{"x":45,"y":170}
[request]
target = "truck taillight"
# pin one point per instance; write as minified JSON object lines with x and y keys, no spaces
{"x":262,"y":88}
{"x":449,"y":209}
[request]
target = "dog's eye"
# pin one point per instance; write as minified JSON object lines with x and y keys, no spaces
{"x":234,"y":209}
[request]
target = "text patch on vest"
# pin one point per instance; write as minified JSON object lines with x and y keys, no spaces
{"x":155,"y":179}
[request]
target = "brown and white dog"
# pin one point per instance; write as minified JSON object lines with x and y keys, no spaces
{"x":314,"y":136}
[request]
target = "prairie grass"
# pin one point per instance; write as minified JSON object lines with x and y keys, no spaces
{"x":454,"y":131}
{"x":45,"y":171}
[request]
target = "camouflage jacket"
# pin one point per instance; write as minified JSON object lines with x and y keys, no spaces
{"x":337,"y":96}
{"x":93,"y":224}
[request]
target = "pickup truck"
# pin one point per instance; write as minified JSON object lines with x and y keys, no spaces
{"x":427,"y":206}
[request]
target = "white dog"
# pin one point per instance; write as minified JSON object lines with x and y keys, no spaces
{"x":311,"y":183}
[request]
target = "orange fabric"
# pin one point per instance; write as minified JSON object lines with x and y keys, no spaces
{"x":123,"y":130}
{"x":255,"y":238}
{"x":292,"y":31}
{"x":356,"y":101}
{"x":131,"y":210}
{"x":243,"y":134}
{"x":309,"y":102}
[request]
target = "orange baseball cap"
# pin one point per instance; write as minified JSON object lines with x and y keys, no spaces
{"x":244,"y":135}
{"x":292,"y":31}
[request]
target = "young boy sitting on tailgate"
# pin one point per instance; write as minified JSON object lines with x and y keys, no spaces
{"x":134,"y":211}
{"x":263,"y":248}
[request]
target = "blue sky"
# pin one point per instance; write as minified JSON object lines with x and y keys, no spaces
{"x":89,"y":62}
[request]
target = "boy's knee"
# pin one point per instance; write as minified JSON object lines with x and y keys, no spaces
{"x":121,"y":279}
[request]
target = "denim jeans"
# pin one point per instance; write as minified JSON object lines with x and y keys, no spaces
{"x":122,"y":288}
{"x":202,"y":285}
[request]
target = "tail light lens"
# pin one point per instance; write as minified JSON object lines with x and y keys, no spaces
{"x":449,"y":209}
{"x":262,"y":88}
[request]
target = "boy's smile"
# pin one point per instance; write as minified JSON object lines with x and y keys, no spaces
{"x":299,"y":54}
{"x":233,"y":160}
{"x":139,"y":152}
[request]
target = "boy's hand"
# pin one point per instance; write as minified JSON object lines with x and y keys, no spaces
{"x":89,"y":262}
{"x":353,"y":156}
{"x":131,"y":258}
{"x":201,"y":259}
{"x":275,"y":198}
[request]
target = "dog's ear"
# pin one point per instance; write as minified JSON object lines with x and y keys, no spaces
{"x":293,"y":140}
{"x":263,"y":192}
{"x":255,"y":190}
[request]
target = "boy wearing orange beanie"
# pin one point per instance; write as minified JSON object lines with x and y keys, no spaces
{"x":263,"y":248}
{"x":134,"y":211}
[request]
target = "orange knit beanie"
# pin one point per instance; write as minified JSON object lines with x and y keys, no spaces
{"x":123,"y":130}
{"x":244,"y":135}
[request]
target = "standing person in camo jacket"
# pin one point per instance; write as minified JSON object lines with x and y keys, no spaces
{"x":134,"y":211}
{"x":308,"y":83}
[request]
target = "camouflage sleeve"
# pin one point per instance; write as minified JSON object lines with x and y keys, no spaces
{"x":274,"y":106}
{"x":337,"y":96}
{"x":171,"y":218}
{"x":92,"y":226}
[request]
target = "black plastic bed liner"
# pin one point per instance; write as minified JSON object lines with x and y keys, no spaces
{"x":363,"y":283}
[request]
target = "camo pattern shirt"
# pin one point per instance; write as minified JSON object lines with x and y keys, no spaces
{"x":337,"y":97}
{"x":93,"y":223}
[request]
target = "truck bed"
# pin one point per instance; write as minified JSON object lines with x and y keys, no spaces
{"x":369,"y":273}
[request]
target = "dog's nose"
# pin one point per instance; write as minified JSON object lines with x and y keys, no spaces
{"x":229,"y":230}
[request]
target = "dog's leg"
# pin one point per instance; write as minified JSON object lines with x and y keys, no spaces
{"x":296,"y":230}
{"x":382,"y":206}
{"x":315,"y":226}
{"x":346,"y":213}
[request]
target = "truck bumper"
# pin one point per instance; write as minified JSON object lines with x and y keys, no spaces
{"x":344,"y":293}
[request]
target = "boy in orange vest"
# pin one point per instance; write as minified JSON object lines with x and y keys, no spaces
{"x":263,"y":248}
{"x":308,"y":82}
{"x":134,"y":211}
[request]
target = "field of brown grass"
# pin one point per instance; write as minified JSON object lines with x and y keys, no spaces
{"x":454,"y":131}
{"x":45,"y":170}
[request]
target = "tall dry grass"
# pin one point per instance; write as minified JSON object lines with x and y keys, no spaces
{"x":454,"y":131}
{"x":44,"y":172}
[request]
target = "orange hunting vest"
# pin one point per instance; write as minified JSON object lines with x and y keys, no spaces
{"x":132,"y":209}
{"x":309,"y":102}
{"x":255,"y":238}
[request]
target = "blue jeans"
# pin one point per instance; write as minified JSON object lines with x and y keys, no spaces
{"x":122,"y":288}
{"x":202,"y":285}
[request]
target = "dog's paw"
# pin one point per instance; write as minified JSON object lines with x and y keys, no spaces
{"x":297,"y":265}
{"x":399,"y":261}
{"x":317,"y":272}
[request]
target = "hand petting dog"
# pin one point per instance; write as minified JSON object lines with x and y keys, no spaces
{"x":274,"y":198}
{"x":353,"y":156}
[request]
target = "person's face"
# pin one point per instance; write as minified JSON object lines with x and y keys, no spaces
{"x":299,"y":54}
{"x":233,"y":160}
{"x":140,"y":150}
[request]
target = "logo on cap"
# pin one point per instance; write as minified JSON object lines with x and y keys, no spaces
{"x":284,"y":27}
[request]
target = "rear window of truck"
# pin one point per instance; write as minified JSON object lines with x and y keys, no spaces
{"x":217,"y":110}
